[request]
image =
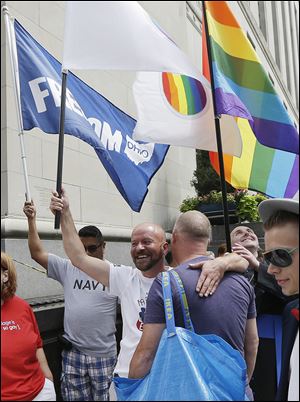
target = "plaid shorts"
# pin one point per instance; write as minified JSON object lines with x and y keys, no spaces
{"x":86,"y":378}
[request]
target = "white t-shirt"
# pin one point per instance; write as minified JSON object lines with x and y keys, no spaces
{"x":90,"y":311}
{"x":132,"y":288}
{"x":293,"y":394}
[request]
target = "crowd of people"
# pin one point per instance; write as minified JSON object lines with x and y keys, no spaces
{"x":232,"y":296}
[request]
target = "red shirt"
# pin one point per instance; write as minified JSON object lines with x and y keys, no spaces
{"x":21,"y":375}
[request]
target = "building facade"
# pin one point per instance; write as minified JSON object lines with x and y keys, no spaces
{"x":272,"y":28}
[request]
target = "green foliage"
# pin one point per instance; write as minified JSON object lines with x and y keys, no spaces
{"x":260,"y":197}
{"x":215,"y":197}
{"x":189,"y":204}
{"x":207,"y":183}
{"x":247,"y":209}
{"x":246,"y":205}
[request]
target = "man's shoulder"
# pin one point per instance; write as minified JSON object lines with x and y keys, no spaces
{"x":185,"y":271}
{"x":186,"y":263}
{"x":238,"y":276}
{"x":56,"y":259}
{"x":119,"y":272}
{"x":239,"y":280}
{"x":122,"y":268}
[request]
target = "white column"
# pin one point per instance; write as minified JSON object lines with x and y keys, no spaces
{"x":281,"y":45}
{"x":254,"y":9}
{"x":290,"y":64}
{"x":295,"y":51}
{"x":270,"y":28}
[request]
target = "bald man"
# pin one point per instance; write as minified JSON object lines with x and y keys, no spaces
{"x":148,"y":249}
{"x":230,"y":313}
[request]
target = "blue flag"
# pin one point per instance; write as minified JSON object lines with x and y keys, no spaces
{"x":89,"y":116}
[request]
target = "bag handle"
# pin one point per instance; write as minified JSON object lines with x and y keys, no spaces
{"x":184,"y":303}
{"x":168,"y":303}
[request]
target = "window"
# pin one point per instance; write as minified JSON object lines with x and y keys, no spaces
{"x":275,"y":34}
{"x":287,"y":56}
{"x":271,"y":79}
{"x":262,"y":18}
{"x":250,"y":40}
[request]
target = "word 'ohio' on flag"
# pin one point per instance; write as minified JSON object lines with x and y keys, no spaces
{"x":242,"y":87}
{"x":89,"y":116}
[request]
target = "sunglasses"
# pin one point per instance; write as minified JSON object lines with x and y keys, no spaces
{"x":92,"y":248}
{"x":280,"y":257}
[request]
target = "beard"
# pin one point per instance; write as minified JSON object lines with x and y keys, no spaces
{"x":146,"y":266}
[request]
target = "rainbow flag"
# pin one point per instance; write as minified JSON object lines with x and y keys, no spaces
{"x":177,"y":110}
{"x":260,"y":168}
{"x":242,"y":87}
{"x":185,"y":94}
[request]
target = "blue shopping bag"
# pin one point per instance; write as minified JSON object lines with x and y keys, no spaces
{"x":187,"y":366}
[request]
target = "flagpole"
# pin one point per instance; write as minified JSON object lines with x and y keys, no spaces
{"x":16,"y":86}
{"x":61,"y":142}
{"x":218,"y":135}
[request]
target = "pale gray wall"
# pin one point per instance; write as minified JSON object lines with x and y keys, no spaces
{"x":32,"y":283}
{"x":94,"y":198}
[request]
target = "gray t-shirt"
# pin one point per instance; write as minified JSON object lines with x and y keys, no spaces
{"x":223,"y":314}
{"x":90,"y":311}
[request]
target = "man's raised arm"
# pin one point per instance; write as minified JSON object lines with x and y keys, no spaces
{"x":94,"y":267}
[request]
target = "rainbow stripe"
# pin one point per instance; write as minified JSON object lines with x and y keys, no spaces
{"x":242,"y":87}
{"x":185,"y":94}
{"x":260,"y":168}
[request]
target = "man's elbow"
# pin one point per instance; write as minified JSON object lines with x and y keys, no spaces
{"x":39,"y":257}
{"x":251,"y":346}
{"x":141,"y":364}
{"x":256,"y":341}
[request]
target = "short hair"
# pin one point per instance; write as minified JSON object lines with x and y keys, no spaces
{"x":91,"y":231}
{"x":244,"y":224}
{"x":194,"y":224}
{"x":10,"y":286}
{"x":222,"y":249}
{"x":280,"y":218}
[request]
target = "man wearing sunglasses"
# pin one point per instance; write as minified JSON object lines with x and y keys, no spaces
{"x":281,"y":224}
{"x":270,"y":302}
{"x":89,"y":350}
{"x":245,"y":243}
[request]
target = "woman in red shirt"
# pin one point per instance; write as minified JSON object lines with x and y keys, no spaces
{"x":25,"y":374}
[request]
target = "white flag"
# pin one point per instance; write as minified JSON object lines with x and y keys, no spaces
{"x":177,"y":110}
{"x":119,"y":35}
